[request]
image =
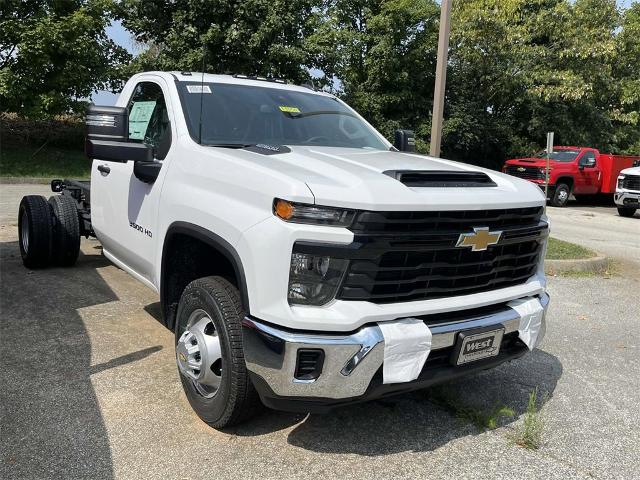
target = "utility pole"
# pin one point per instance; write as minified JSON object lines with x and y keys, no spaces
{"x":441,"y":78}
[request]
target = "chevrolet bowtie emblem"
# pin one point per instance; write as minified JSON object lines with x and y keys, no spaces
{"x":521,"y":169}
{"x":479,"y":240}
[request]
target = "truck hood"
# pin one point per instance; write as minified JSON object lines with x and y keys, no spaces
{"x":631,"y":171}
{"x":348,"y":177}
{"x":530,"y":162}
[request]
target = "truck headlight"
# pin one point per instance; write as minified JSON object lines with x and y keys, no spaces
{"x":314,"y":279}
{"x":313,"y":214}
{"x":620,"y":181}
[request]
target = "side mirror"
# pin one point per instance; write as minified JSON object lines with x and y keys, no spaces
{"x":405,"y":141}
{"x":108,"y":136}
{"x":586,"y":162}
{"x":107,"y":123}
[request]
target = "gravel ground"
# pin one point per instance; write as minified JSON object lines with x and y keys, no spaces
{"x":90,"y":390}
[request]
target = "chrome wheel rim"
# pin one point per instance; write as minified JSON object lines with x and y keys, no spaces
{"x":199,"y":355}
{"x":563,"y":195}
{"x":24,"y":231}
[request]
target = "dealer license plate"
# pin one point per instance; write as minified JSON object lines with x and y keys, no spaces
{"x":473,"y":345}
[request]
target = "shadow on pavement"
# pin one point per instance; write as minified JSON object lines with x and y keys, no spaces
{"x":51,"y":421}
{"x":124,"y":359}
{"x":412,"y":422}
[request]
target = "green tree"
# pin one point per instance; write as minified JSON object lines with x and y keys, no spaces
{"x":626,"y":69}
{"x":53,"y":54}
{"x":263,"y":37}
{"x":520,"y":68}
{"x":383,"y":55}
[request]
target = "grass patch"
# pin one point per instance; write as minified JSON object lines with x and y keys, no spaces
{"x":48,"y":162}
{"x":611,"y":270}
{"x":482,"y":419}
{"x":561,"y":250}
{"x":530,"y":434}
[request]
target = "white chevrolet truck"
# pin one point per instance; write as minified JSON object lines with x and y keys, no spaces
{"x":303,"y":261}
{"x":627,"y":196}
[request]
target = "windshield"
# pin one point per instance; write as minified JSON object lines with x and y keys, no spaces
{"x":560,"y":155}
{"x":237,"y":115}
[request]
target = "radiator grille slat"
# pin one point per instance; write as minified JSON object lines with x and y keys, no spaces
{"x":418,"y":259}
{"x":631,"y":182}
{"x":529,"y":173}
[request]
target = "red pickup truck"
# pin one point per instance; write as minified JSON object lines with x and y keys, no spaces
{"x":580,"y":171}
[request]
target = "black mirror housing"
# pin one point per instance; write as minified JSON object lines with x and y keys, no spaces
{"x":107,"y":123}
{"x":108,"y":136}
{"x":405,"y":141}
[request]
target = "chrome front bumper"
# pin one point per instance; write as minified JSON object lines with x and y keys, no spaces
{"x":632,"y":198}
{"x":350,"y":360}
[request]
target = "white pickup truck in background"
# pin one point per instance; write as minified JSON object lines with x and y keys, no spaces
{"x":627,"y":196}
{"x":302,"y":260}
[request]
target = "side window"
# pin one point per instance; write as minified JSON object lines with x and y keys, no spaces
{"x":149,"y":119}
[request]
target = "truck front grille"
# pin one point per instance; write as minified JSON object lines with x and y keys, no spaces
{"x":407,"y":256}
{"x":631,"y":182}
{"x":529,"y":173}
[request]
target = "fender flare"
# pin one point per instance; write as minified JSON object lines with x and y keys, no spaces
{"x":214,"y":241}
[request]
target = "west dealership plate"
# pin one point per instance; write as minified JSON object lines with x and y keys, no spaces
{"x":475,"y":345}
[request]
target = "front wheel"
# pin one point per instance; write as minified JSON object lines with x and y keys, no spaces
{"x":626,"y":211}
{"x":210,"y":355}
{"x":561,"y":194}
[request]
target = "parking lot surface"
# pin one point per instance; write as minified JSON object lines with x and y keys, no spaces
{"x":600,"y":228}
{"x":90,"y":390}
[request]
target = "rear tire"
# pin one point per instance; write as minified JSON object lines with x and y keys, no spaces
{"x":35,"y":226}
{"x":626,"y":211}
{"x":228,"y":397}
{"x":561,"y":195}
{"x":65,"y":245}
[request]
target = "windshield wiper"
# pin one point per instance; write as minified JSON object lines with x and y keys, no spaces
{"x":319,"y":112}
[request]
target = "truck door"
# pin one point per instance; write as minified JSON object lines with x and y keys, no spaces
{"x":588,"y":176}
{"x":124,"y":209}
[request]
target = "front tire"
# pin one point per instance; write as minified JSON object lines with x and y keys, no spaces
{"x":209,"y":353}
{"x":626,"y":211}
{"x":35,"y":226}
{"x":561,"y":195}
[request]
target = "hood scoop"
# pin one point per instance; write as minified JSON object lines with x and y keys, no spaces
{"x":440,"y":178}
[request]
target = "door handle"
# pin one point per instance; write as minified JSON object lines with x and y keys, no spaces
{"x":104,"y":170}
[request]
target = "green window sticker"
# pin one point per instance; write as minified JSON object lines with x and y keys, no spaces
{"x":286,"y":109}
{"x":139,"y":117}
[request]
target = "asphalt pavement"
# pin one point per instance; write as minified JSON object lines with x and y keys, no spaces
{"x":89,"y":388}
{"x":600,"y":228}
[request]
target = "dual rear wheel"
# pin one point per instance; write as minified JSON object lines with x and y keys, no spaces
{"x":48,"y":231}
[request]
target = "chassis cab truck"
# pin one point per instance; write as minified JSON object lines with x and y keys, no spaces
{"x":302,"y":260}
{"x":580,"y":171}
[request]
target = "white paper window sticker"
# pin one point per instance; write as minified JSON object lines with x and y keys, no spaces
{"x":407,"y":344}
{"x":198,"y":89}
{"x":139,"y":118}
